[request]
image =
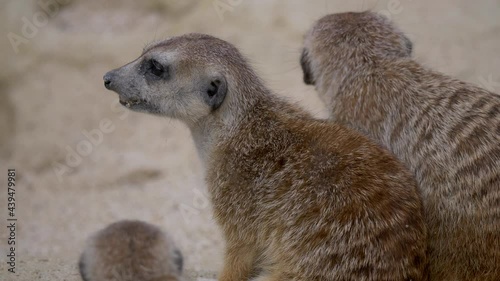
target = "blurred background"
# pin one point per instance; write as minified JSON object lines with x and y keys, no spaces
{"x":83,"y":161}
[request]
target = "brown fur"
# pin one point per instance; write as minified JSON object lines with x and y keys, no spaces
{"x":446,"y":131}
{"x":297,"y":198}
{"x":131,"y":251}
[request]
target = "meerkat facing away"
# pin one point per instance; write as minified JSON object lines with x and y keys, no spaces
{"x":446,"y":131}
{"x":131,"y":251}
{"x":296,"y":198}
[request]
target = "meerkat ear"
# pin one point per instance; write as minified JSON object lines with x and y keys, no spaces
{"x":215,"y":92}
{"x":409,"y":45}
{"x":306,"y":68}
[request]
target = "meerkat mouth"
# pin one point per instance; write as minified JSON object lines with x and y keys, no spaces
{"x":131,"y":102}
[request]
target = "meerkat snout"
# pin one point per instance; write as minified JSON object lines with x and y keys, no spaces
{"x":167,"y":81}
{"x":131,"y":251}
{"x":108,"y":78}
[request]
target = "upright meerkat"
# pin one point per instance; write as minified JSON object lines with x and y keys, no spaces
{"x":446,"y":131}
{"x":131,"y":251}
{"x":296,"y":198}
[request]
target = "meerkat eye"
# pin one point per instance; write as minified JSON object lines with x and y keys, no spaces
{"x":156,"y":68}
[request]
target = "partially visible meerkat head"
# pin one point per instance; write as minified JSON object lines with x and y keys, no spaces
{"x":131,"y":251}
{"x":343,"y":39}
{"x":186,"y":77}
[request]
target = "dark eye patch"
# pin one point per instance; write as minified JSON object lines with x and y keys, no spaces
{"x":154,"y":69}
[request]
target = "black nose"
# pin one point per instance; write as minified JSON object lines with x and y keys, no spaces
{"x":107,"y":80}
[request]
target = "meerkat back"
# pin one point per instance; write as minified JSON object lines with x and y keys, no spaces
{"x":131,"y":251}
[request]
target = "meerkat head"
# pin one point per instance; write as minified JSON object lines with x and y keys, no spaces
{"x":131,"y":251}
{"x":346,"y":39}
{"x":185,"y":77}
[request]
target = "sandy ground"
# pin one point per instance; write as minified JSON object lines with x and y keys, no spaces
{"x":74,"y":178}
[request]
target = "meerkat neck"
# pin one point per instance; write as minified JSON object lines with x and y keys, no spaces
{"x":330,"y":82}
{"x":337,"y":70}
{"x":223,"y":122}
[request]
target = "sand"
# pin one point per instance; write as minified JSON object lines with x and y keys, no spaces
{"x":135,"y":166}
